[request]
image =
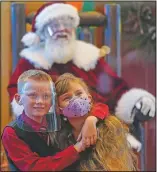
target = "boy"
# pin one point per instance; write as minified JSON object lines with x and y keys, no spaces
{"x":27,"y":146}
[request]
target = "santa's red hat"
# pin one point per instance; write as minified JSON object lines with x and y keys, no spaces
{"x":44,"y":15}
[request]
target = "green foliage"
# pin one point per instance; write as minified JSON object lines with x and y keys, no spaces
{"x":138,"y":17}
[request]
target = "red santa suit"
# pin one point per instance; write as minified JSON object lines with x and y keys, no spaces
{"x":87,"y":63}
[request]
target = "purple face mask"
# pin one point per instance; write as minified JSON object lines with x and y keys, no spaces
{"x":77,"y":107}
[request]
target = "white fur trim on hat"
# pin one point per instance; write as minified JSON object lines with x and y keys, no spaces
{"x":127,"y":102}
{"x":53,"y":11}
{"x":17,"y":109}
{"x":30,"y":39}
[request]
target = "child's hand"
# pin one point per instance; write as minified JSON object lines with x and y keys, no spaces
{"x":89,"y":131}
{"x":80,"y":146}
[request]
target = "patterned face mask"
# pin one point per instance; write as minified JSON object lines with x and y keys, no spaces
{"x":77,"y":107}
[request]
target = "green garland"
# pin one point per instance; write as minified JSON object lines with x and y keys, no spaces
{"x":138,"y":17}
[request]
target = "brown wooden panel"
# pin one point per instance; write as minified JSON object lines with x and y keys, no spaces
{"x":6,"y":61}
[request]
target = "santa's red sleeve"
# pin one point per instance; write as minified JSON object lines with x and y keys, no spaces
{"x":117,"y":86}
{"x":122,"y":99}
{"x":106,"y":101}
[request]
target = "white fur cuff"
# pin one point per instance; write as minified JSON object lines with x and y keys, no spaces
{"x":127,"y":102}
{"x":133,"y":142}
{"x":17,"y":109}
{"x":30,"y":39}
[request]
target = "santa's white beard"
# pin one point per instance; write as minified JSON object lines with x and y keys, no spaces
{"x":60,"y":50}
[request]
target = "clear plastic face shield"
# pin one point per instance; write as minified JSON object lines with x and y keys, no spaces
{"x":39,"y":101}
{"x":59,"y":28}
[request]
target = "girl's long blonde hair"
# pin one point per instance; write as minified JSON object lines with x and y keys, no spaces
{"x":111,"y":152}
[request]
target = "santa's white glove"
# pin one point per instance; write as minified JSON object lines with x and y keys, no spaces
{"x":135,"y":103}
{"x":145,"y":105}
{"x":133,"y":142}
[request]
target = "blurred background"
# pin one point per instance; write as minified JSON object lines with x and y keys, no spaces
{"x":129,"y":29}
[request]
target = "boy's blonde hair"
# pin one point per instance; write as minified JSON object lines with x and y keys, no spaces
{"x":63,"y":82}
{"x":36,"y":75}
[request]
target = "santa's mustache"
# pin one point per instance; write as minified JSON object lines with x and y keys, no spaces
{"x":62,"y":32}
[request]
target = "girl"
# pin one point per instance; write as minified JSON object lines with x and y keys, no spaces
{"x":111,"y":151}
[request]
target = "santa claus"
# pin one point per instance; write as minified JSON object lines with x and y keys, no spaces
{"x":52,"y":47}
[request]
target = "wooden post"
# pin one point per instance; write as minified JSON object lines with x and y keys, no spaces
{"x":6,"y":62}
{"x":5,"y":71}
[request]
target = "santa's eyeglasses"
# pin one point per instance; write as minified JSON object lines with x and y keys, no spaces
{"x":59,"y":24}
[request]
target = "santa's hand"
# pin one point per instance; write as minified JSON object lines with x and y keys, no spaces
{"x":133,"y":142}
{"x":146,"y":106}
